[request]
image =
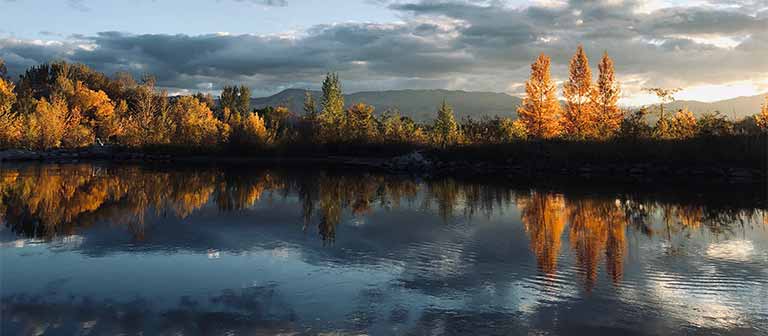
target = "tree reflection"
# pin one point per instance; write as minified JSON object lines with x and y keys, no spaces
{"x":543,"y":216}
{"x":46,"y":201}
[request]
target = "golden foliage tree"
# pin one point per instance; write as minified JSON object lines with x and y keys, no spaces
{"x":540,"y":110}
{"x":608,"y":116}
{"x":10,"y":130}
{"x":761,"y":119}
{"x":254,"y":130}
{"x":97,"y":109}
{"x":360,"y":125}
{"x":580,"y":95}
{"x":45,"y":127}
{"x":683,"y":125}
{"x":194,"y":123}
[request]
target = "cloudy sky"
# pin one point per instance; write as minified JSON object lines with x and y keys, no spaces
{"x":716,"y":49}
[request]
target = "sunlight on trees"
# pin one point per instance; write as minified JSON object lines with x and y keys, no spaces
{"x":445,"y":131}
{"x":10,"y":131}
{"x":540,"y":111}
{"x":608,"y":116}
{"x":61,"y":105}
{"x":360,"y":123}
{"x":193,"y":123}
{"x":580,"y":95}
{"x":761,"y":119}
{"x":332,"y":115}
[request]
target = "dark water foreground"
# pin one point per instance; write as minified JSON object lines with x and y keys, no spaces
{"x":104,"y":250}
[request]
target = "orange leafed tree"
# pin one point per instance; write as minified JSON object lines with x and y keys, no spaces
{"x":544,"y":218}
{"x":540,"y":110}
{"x":194,"y":123}
{"x":97,"y":110}
{"x":608,"y":116}
{"x":580,"y":93}
{"x":761,"y":119}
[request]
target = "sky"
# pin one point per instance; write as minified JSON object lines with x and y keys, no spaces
{"x":713,"y":49}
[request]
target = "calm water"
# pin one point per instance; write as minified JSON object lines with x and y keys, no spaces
{"x":100,"y":250}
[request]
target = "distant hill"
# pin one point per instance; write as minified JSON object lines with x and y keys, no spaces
{"x":421,"y":105}
{"x":736,"y":108}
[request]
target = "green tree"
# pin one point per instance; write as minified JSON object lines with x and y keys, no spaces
{"x":237,"y":99}
{"x":715,"y":124}
{"x":332,"y":115}
{"x":445,"y":130}
{"x":513,"y":130}
{"x":635,"y":125}
{"x":310,"y":105}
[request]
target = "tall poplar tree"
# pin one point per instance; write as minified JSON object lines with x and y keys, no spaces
{"x":578,"y":119}
{"x":332,"y":114}
{"x":540,"y":110}
{"x":608,"y":115}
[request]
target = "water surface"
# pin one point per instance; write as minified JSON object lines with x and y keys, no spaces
{"x":105,"y":250}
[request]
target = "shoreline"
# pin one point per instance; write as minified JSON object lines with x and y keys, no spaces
{"x":419,"y":164}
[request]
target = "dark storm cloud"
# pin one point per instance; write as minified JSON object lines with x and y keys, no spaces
{"x":474,"y":45}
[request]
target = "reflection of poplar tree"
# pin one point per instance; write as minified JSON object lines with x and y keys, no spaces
{"x":544,"y":218}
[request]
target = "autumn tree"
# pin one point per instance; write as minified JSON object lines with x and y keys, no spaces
{"x":608,"y":116}
{"x":445,"y":130}
{"x":97,"y":110}
{"x":9,"y":121}
{"x":360,"y":125}
{"x":331,"y":118}
{"x":540,"y":110}
{"x":580,"y":95}
{"x":761,"y":119}
{"x":45,"y":128}
{"x":396,"y":128}
{"x":254,"y":130}
{"x":683,"y":125}
{"x":193,"y":123}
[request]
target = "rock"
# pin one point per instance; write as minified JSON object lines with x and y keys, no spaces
{"x":411,"y":162}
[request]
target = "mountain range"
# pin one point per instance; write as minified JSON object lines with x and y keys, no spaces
{"x":421,"y":105}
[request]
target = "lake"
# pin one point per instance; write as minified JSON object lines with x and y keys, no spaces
{"x":101,"y":249}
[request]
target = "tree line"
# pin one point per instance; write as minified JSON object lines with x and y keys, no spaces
{"x":62,"y":105}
